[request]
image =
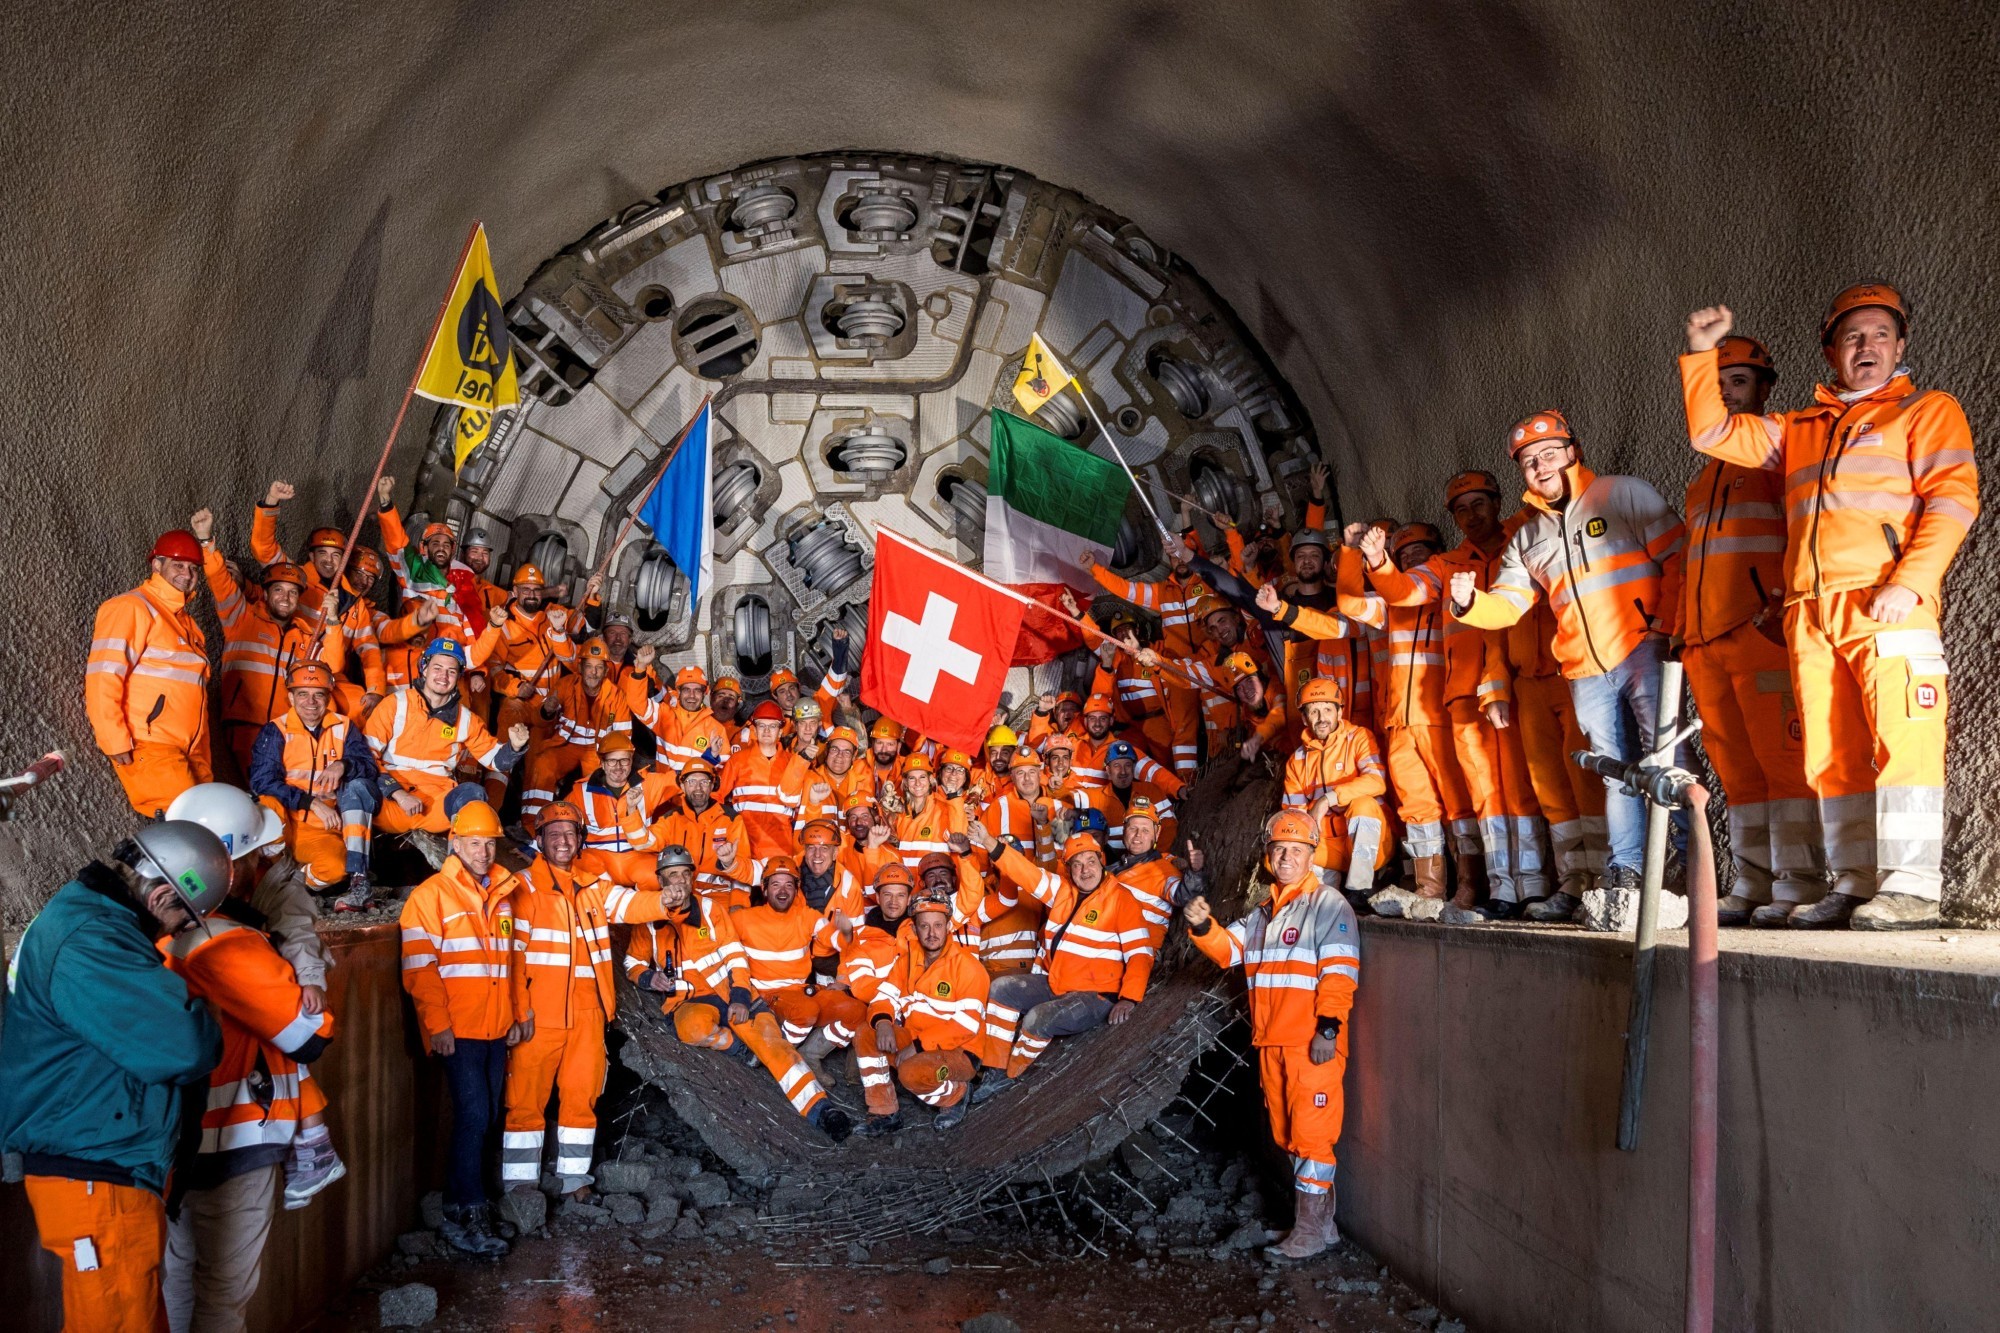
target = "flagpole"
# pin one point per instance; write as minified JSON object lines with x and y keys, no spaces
{"x":361,"y":512}
{"x":1088,"y":628}
{"x":1118,"y":454}
{"x":673,"y":447}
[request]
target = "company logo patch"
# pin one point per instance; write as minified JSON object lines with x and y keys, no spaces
{"x":506,"y":925}
{"x":701,"y":742}
{"x":1798,"y":732}
{"x":1595,"y":528}
{"x":943,"y":1074}
{"x":1090,"y":916}
{"x":451,"y":733}
{"x":1291,"y":935}
{"x":1927,"y":696}
{"x":1319,"y":1099}
{"x":702,"y":933}
{"x":943,"y":989}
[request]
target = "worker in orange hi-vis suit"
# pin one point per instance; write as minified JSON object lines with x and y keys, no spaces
{"x":1600,"y":549}
{"x":1337,"y":778}
{"x":682,"y":724}
{"x":564,"y":994}
{"x":419,"y":734}
{"x":882,"y":764}
{"x":1122,"y":788}
{"x":870,"y":939}
{"x":1256,"y":701}
{"x":353,"y":613}
{"x":1880,"y":489}
{"x":836,"y":776}
{"x":1725,"y":609}
{"x":1095,"y":733}
{"x":1021,"y":817}
{"x":927,"y":820}
{"x":1151,"y":876}
{"x":764,"y":784}
{"x":724,"y":867}
{"x":1173,"y":600}
{"x":694,"y":962}
{"x":1477,"y":692}
{"x":1300,"y":951}
{"x":1571,"y":799}
{"x":924,"y":1024}
{"x":827,"y":886}
{"x":793,"y":959}
{"x":317,"y":770}
{"x":580,"y":708}
{"x":145,"y":686}
{"x":864,"y":845}
{"x":528,"y":646}
{"x":622,"y":815}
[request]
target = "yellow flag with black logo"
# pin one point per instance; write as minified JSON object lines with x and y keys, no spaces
{"x":470,"y":361}
{"x":1042,"y":377}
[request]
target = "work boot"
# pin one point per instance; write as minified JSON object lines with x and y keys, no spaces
{"x":431,"y":846}
{"x":879,"y":1126}
{"x":951,"y":1117}
{"x":990,"y":1084}
{"x":1430,"y":876}
{"x":1773,"y":916}
{"x":744,"y":1055}
{"x":1735,"y":910}
{"x":1829,"y":913}
{"x":1454,"y":915}
{"x":574,"y":1186}
{"x":312,"y":1166}
{"x":359,"y":896}
{"x":813,"y":1050}
{"x":466,"y":1230}
{"x":1472,"y":881}
{"x":1896,"y":911}
{"x":1557,"y":907}
{"x":1509,"y":911}
{"x":831,"y":1121}
{"x":1312,"y":1220}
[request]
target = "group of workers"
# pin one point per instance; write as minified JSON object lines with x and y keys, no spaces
{"x":795,"y":885}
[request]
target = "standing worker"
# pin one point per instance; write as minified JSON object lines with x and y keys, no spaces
{"x":145,"y":687}
{"x":1301,"y":957}
{"x":93,"y":1089}
{"x":1880,"y":490}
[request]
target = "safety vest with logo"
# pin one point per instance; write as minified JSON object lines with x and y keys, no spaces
{"x":1097,"y":941}
{"x":458,"y":950}
{"x":562,"y":939}
{"x":412,"y":741}
{"x":1301,"y":957}
{"x":942,"y":1006}
{"x":698,"y":949}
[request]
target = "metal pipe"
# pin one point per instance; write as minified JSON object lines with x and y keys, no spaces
{"x":1639,"y":1017}
{"x":1704,"y":1040}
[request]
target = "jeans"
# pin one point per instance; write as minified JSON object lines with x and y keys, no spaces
{"x":476,"y":1074}
{"x":1618,"y":711}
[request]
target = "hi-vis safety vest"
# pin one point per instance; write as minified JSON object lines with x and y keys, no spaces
{"x":409,"y":740}
{"x":147,"y":677}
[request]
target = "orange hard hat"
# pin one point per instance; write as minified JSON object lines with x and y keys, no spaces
{"x":885,"y":730}
{"x":1292,"y":826}
{"x":846,"y":734}
{"x":527,"y":576}
{"x":819,"y":832}
{"x":895,"y":873}
{"x":1142,"y":807}
{"x":856,"y":800}
{"x":958,"y":757}
{"x":690,"y":675}
{"x":1411,"y":533}
{"x":560,"y":812}
{"x":1474,"y":482}
{"x":936,"y":861}
{"x":1207,"y":605}
{"x":1737,"y":350}
{"x":1024,"y":758}
{"x":177,"y":544}
{"x":365,"y":560}
{"x":438,"y":530}
{"x":1550,"y":425}
{"x":783,"y":677}
{"x":1060,"y":741}
{"x":285,"y":572}
{"x":325,"y":537}
{"x":1240,"y":665}
{"x":1321,"y":690}
{"x":309,"y":676}
{"x":781,"y":865}
{"x":697,"y":767}
{"x":1069,"y":697}
{"x":1098,"y":703}
{"x":727,"y":685}
{"x":476,"y":819}
{"x":931,"y":902}
{"x":594,"y":650}
{"x":1861,"y":295}
{"x":918,"y":763}
{"x":616,"y":742}
{"x":1079,"y":843}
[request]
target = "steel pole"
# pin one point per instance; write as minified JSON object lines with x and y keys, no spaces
{"x":1639,"y":1017}
{"x":1704,"y":1041}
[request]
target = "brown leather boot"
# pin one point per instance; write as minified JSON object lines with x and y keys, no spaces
{"x":1312,"y":1222}
{"x":1430,"y":876}
{"x":1472,"y":882}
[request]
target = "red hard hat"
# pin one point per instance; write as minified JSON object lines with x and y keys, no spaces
{"x":1549,"y":425}
{"x":326,"y":537}
{"x":767,"y":712}
{"x":285,"y":572}
{"x":178,"y":544}
{"x":1737,"y":350}
{"x":1860,"y":295}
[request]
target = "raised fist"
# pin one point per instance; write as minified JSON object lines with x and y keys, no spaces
{"x":1464,"y":586}
{"x":427,"y":612}
{"x":1352,"y":534}
{"x":1268,"y":600}
{"x":558,"y":619}
{"x":1374,"y":547}
{"x":643,"y":659}
{"x":499,"y":615}
{"x":517,"y":735}
{"x":385,"y":492}
{"x":1047,"y":703}
{"x":1708,"y":326}
{"x":980,"y":836}
{"x":1196,"y":911}
{"x":277,"y":493}
{"x":202,"y":524}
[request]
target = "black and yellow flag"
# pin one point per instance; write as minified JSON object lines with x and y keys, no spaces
{"x":1042,"y":377}
{"x":470,"y":361}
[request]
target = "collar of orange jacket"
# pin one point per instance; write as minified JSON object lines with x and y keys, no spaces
{"x":163,"y":592}
{"x":1898,"y":385}
{"x":1579,"y":478}
{"x":499,"y":883}
{"x":1282,"y":894}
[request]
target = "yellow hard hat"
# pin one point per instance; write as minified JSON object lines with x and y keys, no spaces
{"x":1001,"y":735}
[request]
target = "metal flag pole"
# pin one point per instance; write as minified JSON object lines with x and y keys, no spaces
{"x":1090,"y":407}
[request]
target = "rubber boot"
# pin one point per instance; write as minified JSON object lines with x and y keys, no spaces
{"x":1313,"y":1218}
{"x":1472,"y":883}
{"x":1430,"y":877}
{"x":814,"y":1049}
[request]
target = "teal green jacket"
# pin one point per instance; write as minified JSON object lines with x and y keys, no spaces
{"x":99,"y":1043}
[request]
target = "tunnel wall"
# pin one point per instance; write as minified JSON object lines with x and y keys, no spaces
{"x":227,"y":224}
{"x":1854,"y":1190}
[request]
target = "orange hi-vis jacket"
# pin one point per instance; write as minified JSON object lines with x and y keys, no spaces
{"x":1475,"y":662}
{"x":527,"y":649}
{"x":1409,"y":667}
{"x":1878,"y":490}
{"x":308,"y":757}
{"x":257,"y":651}
{"x":421,"y":748}
{"x":1735,"y":556}
{"x":1341,"y":650}
{"x":700,"y":948}
{"x":583,"y":718}
{"x":680,"y":734}
{"x":562,"y":939}
{"x":926,"y":829}
{"x":766,"y":792}
{"x":1301,"y":957}
{"x":839,"y":787}
{"x":356,"y":616}
{"x":867,"y":958}
{"x":458,"y":951}
{"x":1345,"y":764}
{"x":1152,"y":879}
{"x":696,"y":832}
{"x":779,"y":946}
{"x":942,"y":1006}
{"x":451,"y":622}
{"x":1171,"y":599}
{"x":1268,"y":726}
{"x":1601,"y":560}
{"x":623,"y":821}
{"x":1099,"y":941}
{"x":1107,"y":801}
{"x":864,"y":862}
{"x":147,"y":677}
{"x":261,"y":1008}
{"x":402,"y":640}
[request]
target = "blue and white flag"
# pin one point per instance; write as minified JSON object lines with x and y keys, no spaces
{"x":681,"y":509}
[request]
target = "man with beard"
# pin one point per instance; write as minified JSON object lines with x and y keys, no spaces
{"x":924,"y":1024}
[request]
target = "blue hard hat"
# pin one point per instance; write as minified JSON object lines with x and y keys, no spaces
{"x":449,"y":647}
{"x":1121,"y":750}
{"x":1091,"y":818}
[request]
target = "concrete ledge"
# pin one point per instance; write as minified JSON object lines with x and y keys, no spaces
{"x":1859,"y":1180}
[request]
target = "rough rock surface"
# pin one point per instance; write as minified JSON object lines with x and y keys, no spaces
{"x":409,"y":1306}
{"x":1618,"y":910}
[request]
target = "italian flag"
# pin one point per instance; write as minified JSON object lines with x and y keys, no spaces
{"x":1052,"y":511}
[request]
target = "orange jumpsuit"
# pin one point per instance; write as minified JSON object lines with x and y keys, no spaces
{"x":421,"y":749}
{"x":1172,"y":599}
{"x":766,"y":792}
{"x":1006,"y":937}
{"x":927,"y":829}
{"x":458,"y":952}
{"x":780,"y":947}
{"x":680,"y":734}
{"x":1301,"y":958}
{"x":1354,"y":838}
{"x":567,"y":742}
{"x":562,"y":980}
{"x":1879,"y":490}
{"x":1741,"y":680}
{"x":937,"y":1013}
{"x":356,"y":616}
{"x":1347,"y":658}
{"x":145,"y":689}
{"x":697,"y":832}
{"x":621,"y":834}
{"x":257,"y":653}
{"x":326,"y":856}
{"x":1154,"y":881}
{"x":1571,"y":799}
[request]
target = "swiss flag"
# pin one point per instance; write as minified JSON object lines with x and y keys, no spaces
{"x":940,"y":640}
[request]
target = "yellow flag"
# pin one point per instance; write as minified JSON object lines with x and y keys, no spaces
{"x":1042,"y":377}
{"x":470,"y":361}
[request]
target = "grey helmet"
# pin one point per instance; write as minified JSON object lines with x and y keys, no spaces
{"x":189,"y":857}
{"x":673,"y":854}
{"x":477,"y":537}
{"x":1310,"y":537}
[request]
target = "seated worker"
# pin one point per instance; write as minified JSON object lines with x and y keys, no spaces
{"x":927,"y":1020}
{"x":1089,"y":759}
{"x":419,"y":734}
{"x":1122,"y":787}
{"x":1091,"y":968}
{"x":869,"y":943}
{"x":928,"y":819}
{"x":620,"y":814}
{"x":1300,"y":952}
{"x":315,"y":766}
{"x":1146,"y":871}
{"x":693,"y":960}
{"x":1336,"y":778}
{"x":829,"y":887}
{"x":723,"y":868}
{"x":781,"y":937}
{"x":1259,"y":712}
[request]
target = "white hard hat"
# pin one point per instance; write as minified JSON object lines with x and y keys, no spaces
{"x":242,"y":822}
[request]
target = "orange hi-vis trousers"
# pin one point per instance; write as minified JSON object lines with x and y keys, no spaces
{"x":1430,"y":791}
{"x":1572,"y":801}
{"x":327,"y":856}
{"x":1872,"y":701}
{"x":569,"y":1062}
{"x":1184,"y":722}
{"x":549,"y":763}
{"x":110,"y":1239}
{"x":426,"y":787}
{"x":938,"y":1078}
{"x":1754,"y":736}
{"x":159,"y":773}
{"x":1355,"y":842}
{"x":1503,"y":800}
{"x":799,"y":1013}
{"x":630,"y":870}
{"x":701,"y":1022}
{"x":1305,"y":1105}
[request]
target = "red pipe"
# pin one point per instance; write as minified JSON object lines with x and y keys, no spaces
{"x":1703,"y":1057}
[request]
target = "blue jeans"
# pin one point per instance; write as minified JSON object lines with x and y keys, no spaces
{"x":476,"y":1074}
{"x":1617,"y":711}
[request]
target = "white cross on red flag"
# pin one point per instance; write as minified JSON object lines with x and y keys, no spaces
{"x":940,"y":641}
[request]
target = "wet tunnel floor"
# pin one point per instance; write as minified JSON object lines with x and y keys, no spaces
{"x":606,"y":1281}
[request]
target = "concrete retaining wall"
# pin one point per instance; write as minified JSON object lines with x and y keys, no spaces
{"x":1859,"y":1184}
